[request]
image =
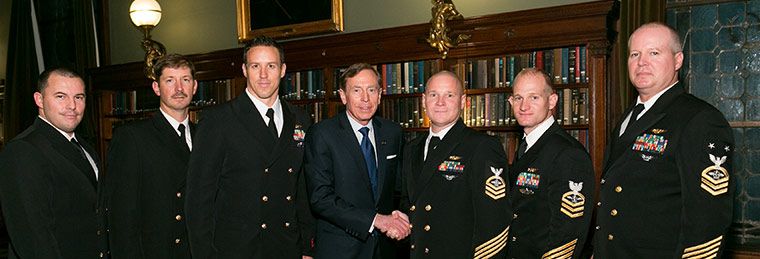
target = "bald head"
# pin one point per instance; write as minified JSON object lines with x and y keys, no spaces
{"x":445,"y":76}
{"x":674,"y":40}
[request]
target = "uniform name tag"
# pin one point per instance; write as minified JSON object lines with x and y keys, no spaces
{"x":650,"y":143}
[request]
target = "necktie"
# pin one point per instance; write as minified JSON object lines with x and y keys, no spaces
{"x":434,"y":141}
{"x":635,"y":114}
{"x":182,"y":134}
{"x":521,"y":149}
{"x":79,"y":148}
{"x":369,"y":158}
{"x":271,"y":126}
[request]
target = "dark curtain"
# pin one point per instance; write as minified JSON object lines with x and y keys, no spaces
{"x":633,"y":13}
{"x":20,"y":111}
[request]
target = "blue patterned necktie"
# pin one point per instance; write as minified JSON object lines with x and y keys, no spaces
{"x":369,"y":158}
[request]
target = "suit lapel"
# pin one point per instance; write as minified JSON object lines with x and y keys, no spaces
{"x":168,"y":136}
{"x":381,"y":147}
{"x":534,"y":150}
{"x":448,"y":143}
{"x":286,"y":135}
{"x":348,"y":139}
{"x":64,"y":147}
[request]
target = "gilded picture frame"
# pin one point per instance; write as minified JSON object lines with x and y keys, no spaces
{"x":288,"y":18}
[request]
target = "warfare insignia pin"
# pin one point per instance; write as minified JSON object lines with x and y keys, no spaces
{"x":526,"y":191}
{"x":646,"y":158}
{"x":449,"y":177}
{"x":495,"y":187}
{"x":532,"y":170}
{"x":455,"y":158}
{"x":528,"y":180}
{"x":659,"y":131}
{"x":451,"y":166}
{"x":650,"y":143}
{"x":298,"y":126}
{"x":715,"y":177}
{"x":573,"y":201}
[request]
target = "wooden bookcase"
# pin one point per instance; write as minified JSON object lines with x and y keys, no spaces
{"x":590,"y":25}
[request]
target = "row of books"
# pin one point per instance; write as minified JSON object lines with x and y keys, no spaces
{"x":145,"y":100}
{"x":564,"y":65}
{"x":300,"y":85}
{"x":407,"y":77}
{"x":212,"y":92}
{"x":318,"y":111}
{"x":407,"y":112}
{"x":130,"y":102}
{"x":493,"y":109}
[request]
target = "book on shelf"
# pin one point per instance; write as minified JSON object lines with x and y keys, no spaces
{"x":406,"y":77}
{"x":299,"y":85}
{"x":407,"y":112}
{"x":212,"y":92}
{"x":317,"y":110}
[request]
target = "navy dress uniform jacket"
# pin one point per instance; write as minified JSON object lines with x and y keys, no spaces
{"x":50,"y":197}
{"x":147,"y":165}
{"x":340,"y":191}
{"x":246,"y":196}
{"x":665,"y":191}
{"x":457,"y":198}
{"x":552,"y":193}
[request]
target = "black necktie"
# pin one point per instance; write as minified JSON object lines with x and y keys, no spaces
{"x":79,"y":148}
{"x":182,"y":134}
{"x":369,"y":158}
{"x":434,"y":141}
{"x":521,"y":149}
{"x":635,"y":114}
{"x":271,"y":126}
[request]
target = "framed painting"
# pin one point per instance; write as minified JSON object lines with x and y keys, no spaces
{"x":280,"y":19}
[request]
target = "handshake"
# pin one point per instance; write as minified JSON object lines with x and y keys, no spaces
{"x":395,"y":226}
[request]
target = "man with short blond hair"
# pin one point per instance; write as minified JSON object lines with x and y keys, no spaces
{"x":551,"y":179}
{"x":665,"y":189}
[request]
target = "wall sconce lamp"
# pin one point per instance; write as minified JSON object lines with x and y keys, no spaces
{"x":146,"y":14}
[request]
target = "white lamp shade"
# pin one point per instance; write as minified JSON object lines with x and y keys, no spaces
{"x":145,"y":12}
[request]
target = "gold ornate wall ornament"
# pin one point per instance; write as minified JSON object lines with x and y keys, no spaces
{"x":154,"y":50}
{"x":444,"y":10}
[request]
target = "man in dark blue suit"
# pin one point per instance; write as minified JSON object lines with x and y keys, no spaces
{"x":147,"y":165}
{"x":50,"y":179}
{"x":351,"y":164}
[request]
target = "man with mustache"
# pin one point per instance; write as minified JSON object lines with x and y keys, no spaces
{"x":147,"y":164}
{"x":246,"y":194}
{"x":50,"y":179}
{"x":665,"y":189}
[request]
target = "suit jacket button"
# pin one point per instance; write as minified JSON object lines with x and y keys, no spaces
{"x":412,"y":246}
{"x":106,"y":210}
{"x":178,"y":217}
{"x":613,"y":212}
{"x":427,"y":250}
{"x":427,"y":207}
{"x":288,"y":197}
{"x":176,"y":241}
{"x":101,"y":254}
{"x":98,"y":233}
{"x":266,"y":170}
{"x":618,"y":189}
{"x":603,"y":181}
{"x":598,"y":227}
{"x":599,"y":204}
{"x":514,"y":239}
{"x":610,"y":237}
{"x":514,"y":216}
{"x":97,"y":211}
{"x":410,"y":226}
{"x":264,"y":226}
{"x":264,"y":198}
{"x":290,"y":170}
{"x":179,"y":195}
{"x":427,"y":227}
{"x":412,"y":208}
{"x":287,"y":224}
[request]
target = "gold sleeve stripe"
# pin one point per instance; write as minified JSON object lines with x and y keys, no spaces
{"x":707,"y":250}
{"x":563,"y":251}
{"x":493,"y":246}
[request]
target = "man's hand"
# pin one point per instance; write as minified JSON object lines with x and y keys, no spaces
{"x":395,"y":226}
